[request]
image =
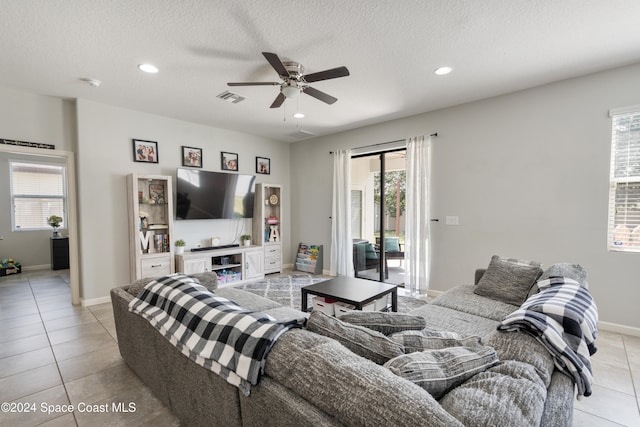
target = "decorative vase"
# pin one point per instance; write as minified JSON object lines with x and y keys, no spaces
{"x":55,"y":232}
{"x":247,"y":242}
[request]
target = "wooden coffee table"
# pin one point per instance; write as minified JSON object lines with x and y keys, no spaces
{"x":358,"y":292}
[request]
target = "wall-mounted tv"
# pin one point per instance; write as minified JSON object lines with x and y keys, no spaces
{"x":213,"y":195}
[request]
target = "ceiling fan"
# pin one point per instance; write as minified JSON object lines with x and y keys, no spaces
{"x":295,"y":81}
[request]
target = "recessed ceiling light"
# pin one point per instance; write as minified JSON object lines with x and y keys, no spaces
{"x":148,"y":68}
{"x":298,"y":115}
{"x":441,"y":71}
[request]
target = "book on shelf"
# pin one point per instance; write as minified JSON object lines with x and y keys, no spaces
{"x":161,"y":242}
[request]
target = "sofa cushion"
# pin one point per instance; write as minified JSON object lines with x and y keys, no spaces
{"x":428,"y":339}
{"x":438,"y":371}
{"x":508,"y":280}
{"x":463,"y":298}
{"x":508,"y":394}
{"x":362,"y":341}
{"x":247,"y":299}
{"x":447,"y":319}
{"x":385,"y":323}
{"x":354,"y":390}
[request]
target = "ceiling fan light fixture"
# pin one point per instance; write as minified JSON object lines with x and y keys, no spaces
{"x":441,"y":71}
{"x":148,"y":68}
{"x":290,"y":91}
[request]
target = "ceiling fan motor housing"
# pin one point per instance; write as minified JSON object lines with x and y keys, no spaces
{"x":295,"y":69}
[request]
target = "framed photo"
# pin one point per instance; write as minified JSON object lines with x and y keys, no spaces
{"x":156,"y":193}
{"x":263,"y":165}
{"x":229,"y":161}
{"x":192,"y":157}
{"x":145,"y":151}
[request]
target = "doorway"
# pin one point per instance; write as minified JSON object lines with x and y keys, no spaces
{"x":69,"y":162}
{"x":377,"y":208}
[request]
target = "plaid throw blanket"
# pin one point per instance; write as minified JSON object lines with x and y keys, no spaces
{"x":564,"y":318}
{"x":212,"y":331}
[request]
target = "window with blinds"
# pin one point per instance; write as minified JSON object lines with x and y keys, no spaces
{"x":624,"y":189}
{"x":37,"y":192}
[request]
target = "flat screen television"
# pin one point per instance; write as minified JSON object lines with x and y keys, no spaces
{"x":213,"y":195}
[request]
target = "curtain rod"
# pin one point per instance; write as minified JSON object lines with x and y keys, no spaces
{"x":384,"y":143}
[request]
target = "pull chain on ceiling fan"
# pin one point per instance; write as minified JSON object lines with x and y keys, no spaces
{"x":295,"y":81}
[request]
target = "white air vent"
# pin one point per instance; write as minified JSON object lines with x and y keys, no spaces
{"x":230,"y":97}
{"x":302,"y":134}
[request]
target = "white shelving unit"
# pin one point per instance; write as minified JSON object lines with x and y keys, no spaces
{"x":267,"y":221}
{"x":150,"y":200}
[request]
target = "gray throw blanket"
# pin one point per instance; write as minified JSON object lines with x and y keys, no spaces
{"x":564,"y":318}
{"x":212,"y":331}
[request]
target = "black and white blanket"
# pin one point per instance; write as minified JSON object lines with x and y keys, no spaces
{"x":212,"y":331}
{"x":564,"y":318}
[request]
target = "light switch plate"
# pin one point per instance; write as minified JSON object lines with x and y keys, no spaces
{"x":452,"y":220}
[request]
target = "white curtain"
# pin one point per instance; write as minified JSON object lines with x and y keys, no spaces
{"x":341,"y":242}
{"x":417,"y":251}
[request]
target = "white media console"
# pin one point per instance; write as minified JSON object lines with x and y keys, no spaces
{"x":232,"y":265}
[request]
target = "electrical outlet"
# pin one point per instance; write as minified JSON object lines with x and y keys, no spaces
{"x":452,"y":220}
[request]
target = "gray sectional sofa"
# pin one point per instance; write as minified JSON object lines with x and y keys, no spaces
{"x":313,"y":380}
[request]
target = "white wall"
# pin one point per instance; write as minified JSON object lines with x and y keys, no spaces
{"x":527,"y":173}
{"x":31,"y":118}
{"x":105,"y":157}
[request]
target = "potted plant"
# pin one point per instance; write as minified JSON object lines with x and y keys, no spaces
{"x":246,"y":239}
{"x":180,"y":244}
{"x":54,"y":221}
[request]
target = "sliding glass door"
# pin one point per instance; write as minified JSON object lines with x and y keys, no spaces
{"x":378,"y":204}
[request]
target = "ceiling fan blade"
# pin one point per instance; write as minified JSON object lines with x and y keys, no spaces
{"x":319,"y":95}
{"x":278,"y":101}
{"x":276,"y":63}
{"x":333,"y":73}
{"x":253,"y":84}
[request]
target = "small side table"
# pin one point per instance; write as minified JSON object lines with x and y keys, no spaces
{"x":59,"y":253}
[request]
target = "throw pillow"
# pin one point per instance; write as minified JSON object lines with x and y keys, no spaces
{"x":370,"y":251}
{"x":571,"y":271}
{"x":427,"y":339}
{"x":392,"y":244}
{"x":438,"y":371}
{"x":508,"y":280}
{"x":385,"y":323}
{"x":362,"y":341}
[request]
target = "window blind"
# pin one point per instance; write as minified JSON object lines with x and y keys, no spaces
{"x":37,"y":192}
{"x":624,"y":189}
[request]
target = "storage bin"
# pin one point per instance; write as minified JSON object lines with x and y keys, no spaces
{"x":341,"y":308}
{"x":381,"y":304}
{"x":321,"y":305}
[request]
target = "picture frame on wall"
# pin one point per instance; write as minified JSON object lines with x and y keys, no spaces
{"x":191,"y":157}
{"x":263,"y":165}
{"x":145,"y":151}
{"x":229,"y":161}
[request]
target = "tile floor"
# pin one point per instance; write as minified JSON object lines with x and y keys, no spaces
{"x":53,"y":355}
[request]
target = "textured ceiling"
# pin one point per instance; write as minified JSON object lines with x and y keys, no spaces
{"x":390,"y":47}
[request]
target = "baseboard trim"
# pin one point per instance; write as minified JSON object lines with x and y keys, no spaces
{"x":36,"y":267}
{"x":94,"y":301}
{"x":620,"y":329}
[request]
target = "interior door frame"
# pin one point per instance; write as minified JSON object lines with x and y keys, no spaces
{"x":72,"y":222}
